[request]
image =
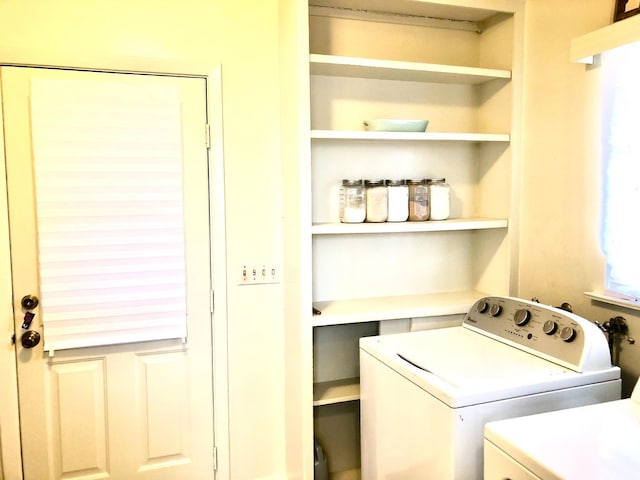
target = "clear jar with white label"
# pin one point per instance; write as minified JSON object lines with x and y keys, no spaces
{"x":398,"y":200}
{"x":418,"y":200}
{"x":353,"y":206}
{"x":377,"y":200}
{"x":440,"y":197}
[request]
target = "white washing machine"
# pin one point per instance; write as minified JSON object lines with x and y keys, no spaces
{"x":425,"y":396}
{"x":595,"y":442}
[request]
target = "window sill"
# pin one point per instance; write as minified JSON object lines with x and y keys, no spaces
{"x":611,"y":300}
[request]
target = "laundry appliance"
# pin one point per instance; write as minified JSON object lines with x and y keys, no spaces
{"x":594,"y":442}
{"x":425,"y":396}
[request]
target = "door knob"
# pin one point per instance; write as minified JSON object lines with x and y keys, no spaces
{"x":30,"y":339}
{"x":29,"y":302}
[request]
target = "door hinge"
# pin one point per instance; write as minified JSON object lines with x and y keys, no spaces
{"x":207,"y":135}
{"x":215,"y":458}
{"x":211,"y":301}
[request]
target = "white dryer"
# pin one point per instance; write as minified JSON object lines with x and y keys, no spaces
{"x":425,"y":396}
{"x":594,"y":442}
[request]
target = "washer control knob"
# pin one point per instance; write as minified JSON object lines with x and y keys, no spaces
{"x":522,"y":317}
{"x":550,"y":327}
{"x":568,"y":334}
{"x":495,"y":310}
{"x":482,"y":306}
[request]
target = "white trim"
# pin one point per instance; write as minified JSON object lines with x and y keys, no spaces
{"x":43,"y":57}
{"x":10,"y":457}
{"x":155,"y":66}
{"x":586,"y":47}
{"x":612,"y":300}
{"x":516,"y":145}
{"x":218,"y":259}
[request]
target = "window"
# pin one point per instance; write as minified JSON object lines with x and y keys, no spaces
{"x":621,"y":174}
{"x":108,"y":174}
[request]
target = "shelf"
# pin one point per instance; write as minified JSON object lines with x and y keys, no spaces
{"x":336,"y":391}
{"x":409,"y":12}
{"x":338,"y":66}
{"x":585,"y":47}
{"x":456,"y":224}
{"x":409,"y":136}
{"x":341,"y":312}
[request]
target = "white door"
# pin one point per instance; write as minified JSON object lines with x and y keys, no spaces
{"x":96,"y":401}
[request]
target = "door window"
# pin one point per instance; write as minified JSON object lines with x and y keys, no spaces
{"x":109,"y":197}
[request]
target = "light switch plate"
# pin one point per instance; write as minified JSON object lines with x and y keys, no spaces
{"x":259,"y":273}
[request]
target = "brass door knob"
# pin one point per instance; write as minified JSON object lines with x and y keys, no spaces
{"x":30,"y":339}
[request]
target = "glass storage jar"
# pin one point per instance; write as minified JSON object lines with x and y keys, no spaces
{"x":398,"y":200}
{"x":418,"y":200}
{"x":353,"y":207}
{"x":439,"y":194}
{"x":377,"y":200}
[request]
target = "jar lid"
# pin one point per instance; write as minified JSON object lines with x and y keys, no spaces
{"x":352,"y":183}
{"x":375,"y":183}
{"x":436,"y":180}
{"x":394,"y":183}
{"x":417,"y":181}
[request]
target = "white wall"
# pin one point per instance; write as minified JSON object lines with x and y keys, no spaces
{"x":561,"y":182}
{"x":242,"y":35}
{"x":560,"y":256}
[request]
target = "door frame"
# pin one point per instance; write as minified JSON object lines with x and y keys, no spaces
{"x":10,"y":456}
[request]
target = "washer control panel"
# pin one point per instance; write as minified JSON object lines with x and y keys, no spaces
{"x":540,"y":329}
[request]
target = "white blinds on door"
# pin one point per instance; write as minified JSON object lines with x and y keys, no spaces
{"x":108,"y":176}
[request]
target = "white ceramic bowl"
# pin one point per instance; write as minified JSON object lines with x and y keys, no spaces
{"x":391,"y":125}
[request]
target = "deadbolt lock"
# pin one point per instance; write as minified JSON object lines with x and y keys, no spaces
{"x":29,"y":302}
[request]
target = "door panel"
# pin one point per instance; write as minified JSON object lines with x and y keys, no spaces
{"x":78,"y":414}
{"x":130,"y":411}
{"x":165,"y":418}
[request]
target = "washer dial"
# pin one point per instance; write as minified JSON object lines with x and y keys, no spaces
{"x":550,"y":327}
{"x":568,"y":334}
{"x":482,"y":306}
{"x":522,"y":317}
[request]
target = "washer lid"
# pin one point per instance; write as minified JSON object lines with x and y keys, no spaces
{"x":596,"y":441}
{"x":462,"y":367}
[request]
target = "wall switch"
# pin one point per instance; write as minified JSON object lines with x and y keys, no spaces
{"x":257,"y":273}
